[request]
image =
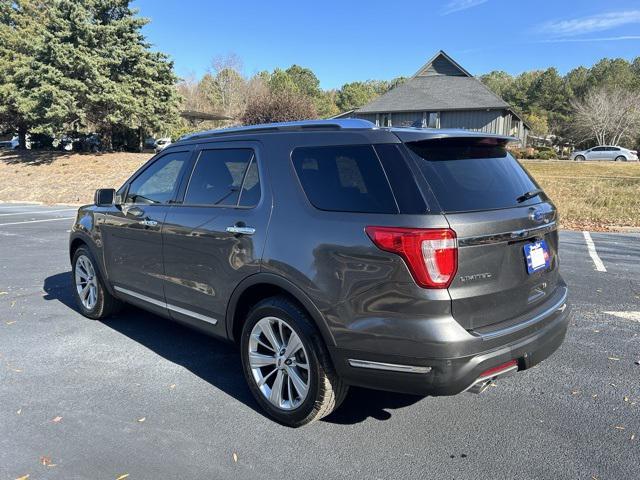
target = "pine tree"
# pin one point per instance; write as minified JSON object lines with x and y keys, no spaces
{"x":85,"y":65}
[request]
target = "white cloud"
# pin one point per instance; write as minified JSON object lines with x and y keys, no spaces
{"x":458,"y":5}
{"x":594,"y":23}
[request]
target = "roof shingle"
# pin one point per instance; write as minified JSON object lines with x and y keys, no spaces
{"x":436,"y":93}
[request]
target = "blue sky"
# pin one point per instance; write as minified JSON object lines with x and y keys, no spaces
{"x":344,"y":41}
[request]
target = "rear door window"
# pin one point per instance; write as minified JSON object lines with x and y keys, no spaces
{"x":346,"y":178}
{"x":470,"y":174}
{"x":224,"y":177}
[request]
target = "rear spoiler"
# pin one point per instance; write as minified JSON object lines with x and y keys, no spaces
{"x":419,"y":134}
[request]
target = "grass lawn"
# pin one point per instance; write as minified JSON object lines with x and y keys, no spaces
{"x":589,"y":195}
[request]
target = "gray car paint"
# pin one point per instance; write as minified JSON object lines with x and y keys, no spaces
{"x":363,"y":299}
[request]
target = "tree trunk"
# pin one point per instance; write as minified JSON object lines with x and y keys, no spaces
{"x":107,"y":138}
{"x":22,"y":137}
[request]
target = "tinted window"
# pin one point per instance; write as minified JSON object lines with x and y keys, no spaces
{"x":598,"y":149}
{"x":218,"y":176}
{"x":158,"y":182}
{"x":250,"y":195}
{"x":345,"y":178}
{"x":401,"y":178}
{"x":467,"y":174}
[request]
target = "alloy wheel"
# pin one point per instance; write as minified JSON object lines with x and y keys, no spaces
{"x":279,"y":363}
{"x":86,"y":282}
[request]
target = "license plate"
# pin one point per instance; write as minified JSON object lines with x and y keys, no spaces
{"x":537,"y":256}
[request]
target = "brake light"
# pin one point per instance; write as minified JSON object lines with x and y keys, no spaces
{"x":431,"y":254}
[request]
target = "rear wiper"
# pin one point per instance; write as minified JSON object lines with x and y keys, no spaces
{"x":528,"y":195}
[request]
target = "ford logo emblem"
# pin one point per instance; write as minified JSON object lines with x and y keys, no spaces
{"x":537,"y":216}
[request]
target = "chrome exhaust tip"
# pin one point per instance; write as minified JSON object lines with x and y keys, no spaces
{"x":479,"y":387}
{"x":487,"y":377}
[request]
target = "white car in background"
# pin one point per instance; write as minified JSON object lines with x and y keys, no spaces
{"x":162,"y":143}
{"x":14,"y":143}
{"x":605,"y":152}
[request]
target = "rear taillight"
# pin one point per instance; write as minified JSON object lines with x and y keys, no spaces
{"x":430,"y":253}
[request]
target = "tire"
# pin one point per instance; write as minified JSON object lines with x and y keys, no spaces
{"x":99,"y":303}
{"x":325,"y":390}
{"x":621,"y":159}
{"x":579,"y":158}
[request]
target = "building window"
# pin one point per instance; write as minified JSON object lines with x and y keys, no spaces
{"x":430,"y":119}
{"x":433,"y":120}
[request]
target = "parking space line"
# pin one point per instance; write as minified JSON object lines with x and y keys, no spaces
{"x":36,"y":221}
{"x":37,"y":211}
{"x":591,"y":247}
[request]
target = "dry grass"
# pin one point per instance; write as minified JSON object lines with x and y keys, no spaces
{"x":57,"y":177}
{"x":589,"y":195}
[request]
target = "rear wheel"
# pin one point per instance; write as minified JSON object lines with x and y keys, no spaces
{"x":286,"y":364}
{"x":92,"y":298}
{"x":579,"y":158}
{"x":621,"y":159}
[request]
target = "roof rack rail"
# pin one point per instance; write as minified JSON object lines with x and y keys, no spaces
{"x":333,"y":124}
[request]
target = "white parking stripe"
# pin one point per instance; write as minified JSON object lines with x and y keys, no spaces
{"x":633,"y":316}
{"x":592,"y":252}
{"x":36,"y":221}
{"x":37,"y":211}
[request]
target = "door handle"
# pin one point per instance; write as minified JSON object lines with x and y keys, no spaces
{"x":148,"y":223}
{"x":135,"y":211}
{"x":241,"y":230}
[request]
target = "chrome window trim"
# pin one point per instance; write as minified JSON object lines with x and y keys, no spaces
{"x":168,"y":306}
{"x":394,"y":367}
{"x":506,"y":236}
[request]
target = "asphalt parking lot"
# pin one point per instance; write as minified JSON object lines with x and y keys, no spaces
{"x":140,"y":396}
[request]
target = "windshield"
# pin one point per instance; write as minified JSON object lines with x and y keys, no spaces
{"x":471,"y":174}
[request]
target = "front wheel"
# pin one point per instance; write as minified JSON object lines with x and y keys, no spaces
{"x":287,"y":365}
{"x":579,"y":158}
{"x":92,"y":298}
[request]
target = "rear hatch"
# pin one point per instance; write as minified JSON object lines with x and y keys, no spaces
{"x":500,"y":218}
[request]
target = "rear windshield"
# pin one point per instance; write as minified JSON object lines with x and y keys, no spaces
{"x":470,"y":174}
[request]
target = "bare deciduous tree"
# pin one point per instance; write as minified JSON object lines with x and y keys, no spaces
{"x":278,"y":107}
{"x":607,"y":115}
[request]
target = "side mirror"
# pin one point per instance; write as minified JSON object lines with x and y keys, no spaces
{"x":104,"y":197}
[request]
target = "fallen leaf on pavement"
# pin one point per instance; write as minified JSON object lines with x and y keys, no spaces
{"x":19,"y":411}
{"x":614,"y":358}
{"x":619,"y":427}
{"x":235,"y":457}
{"x":142,"y":419}
{"x":123,"y":476}
{"x":47,"y":462}
{"x":172,"y":386}
{"x":10,"y":322}
{"x":57,"y":419}
{"x":633,"y":435}
{"x":575,"y":392}
{"x":24,"y":477}
{"x":625,"y":398}
{"x":4,"y":293}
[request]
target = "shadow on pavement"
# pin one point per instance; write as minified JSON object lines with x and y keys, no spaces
{"x":215,"y":361}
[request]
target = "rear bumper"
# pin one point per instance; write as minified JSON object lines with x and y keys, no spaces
{"x":444,"y":374}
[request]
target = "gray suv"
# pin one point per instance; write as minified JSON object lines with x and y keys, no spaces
{"x":335,"y":253}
